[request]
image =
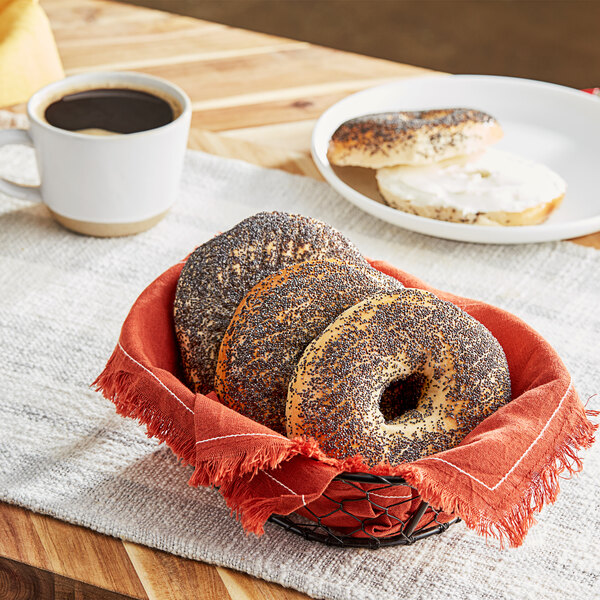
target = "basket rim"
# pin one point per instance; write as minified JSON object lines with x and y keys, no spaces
{"x":362,"y":477}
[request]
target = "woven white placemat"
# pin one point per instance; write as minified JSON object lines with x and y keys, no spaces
{"x":64,"y":451}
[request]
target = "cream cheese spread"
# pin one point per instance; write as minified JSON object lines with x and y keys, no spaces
{"x":492,"y":181}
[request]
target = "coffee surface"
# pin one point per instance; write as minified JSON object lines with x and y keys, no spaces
{"x":111,"y":110}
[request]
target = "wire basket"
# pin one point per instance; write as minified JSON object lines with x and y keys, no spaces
{"x":418,"y":524}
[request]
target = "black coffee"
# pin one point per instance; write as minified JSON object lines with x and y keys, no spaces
{"x":115,"y":110}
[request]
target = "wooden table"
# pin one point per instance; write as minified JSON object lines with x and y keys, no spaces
{"x":255,"y":97}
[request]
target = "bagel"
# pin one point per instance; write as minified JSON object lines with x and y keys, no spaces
{"x":336,"y":388}
{"x":273,"y":325}
{"x":219,"y":273}
{"x":412,"y":138}
{"x":494,"y":188}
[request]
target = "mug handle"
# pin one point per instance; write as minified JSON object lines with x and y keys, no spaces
{"x":25,"y":192}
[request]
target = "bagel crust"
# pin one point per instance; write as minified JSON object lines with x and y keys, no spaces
{"x":273,"y":325}
{"x":334,"y":395}
{"x":494,"y":188}
{"x":530,"y":216}
{"x":412,"y":138}
{"x":219,"y":273}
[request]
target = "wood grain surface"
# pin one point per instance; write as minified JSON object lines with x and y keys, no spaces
{"x":255,"y":97}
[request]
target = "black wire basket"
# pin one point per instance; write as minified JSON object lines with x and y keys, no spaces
{"x":419,"y":523}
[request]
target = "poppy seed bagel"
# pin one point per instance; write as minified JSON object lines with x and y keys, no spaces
{"x":412,"y":138}
{"x":273,"y":325}
{"x":220,"y":272}
{"x":335,"y":391}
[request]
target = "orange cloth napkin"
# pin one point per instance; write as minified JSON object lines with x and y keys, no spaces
{"x":500,"y":475}
{"x":29,"y":59}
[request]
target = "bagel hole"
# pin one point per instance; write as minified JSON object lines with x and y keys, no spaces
{"x":401,"y":395}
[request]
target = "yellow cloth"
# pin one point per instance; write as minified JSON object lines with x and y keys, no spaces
{"x":28,"y":56}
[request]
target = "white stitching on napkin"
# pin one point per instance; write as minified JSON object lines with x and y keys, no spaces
{"x":155,"y":377}
{"x":522,"y":456}
{"x":284,"y":486}
{"x":220,"y":437}
{"x":426,"y":458}
{"x":304,"y":502}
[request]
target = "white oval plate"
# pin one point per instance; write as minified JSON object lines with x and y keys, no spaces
{"x":555,"y":125}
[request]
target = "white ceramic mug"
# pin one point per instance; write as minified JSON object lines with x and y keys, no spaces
{"x":104,"y":185}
